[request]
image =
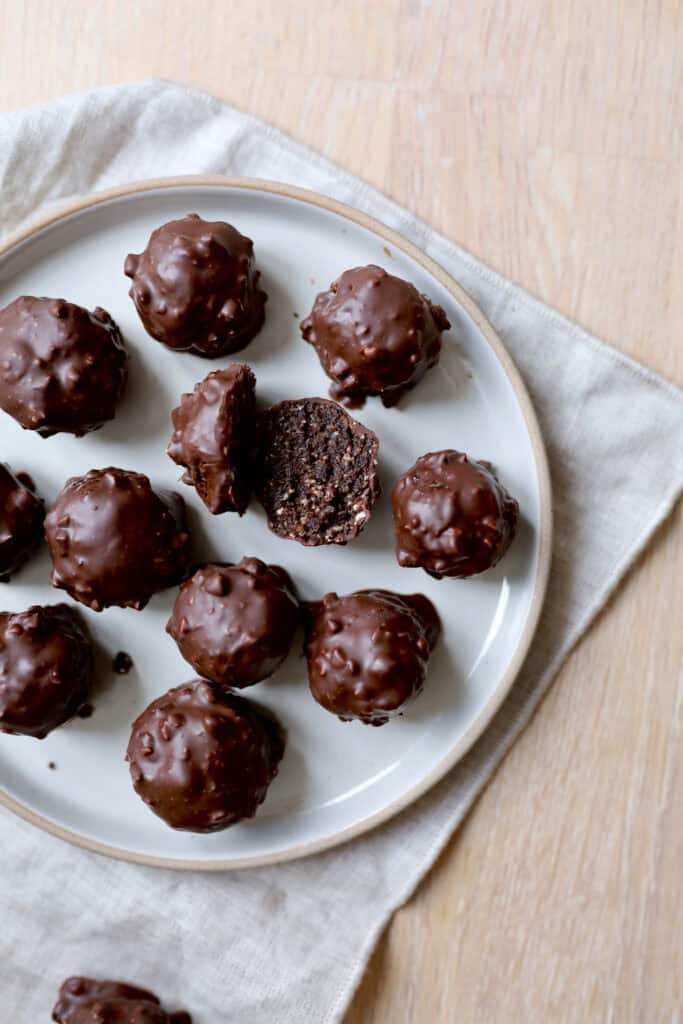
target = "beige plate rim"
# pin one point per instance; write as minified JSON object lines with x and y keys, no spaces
{"x":468,"y":739}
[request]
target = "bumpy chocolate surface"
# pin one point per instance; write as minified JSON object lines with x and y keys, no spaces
{"x":46,"y":669}
{"x":316,"y":471}
{"x":87,"y":1001}
{"x":115,"y":541}
{"x":452,"y":517}
{"x":21,"y":520}
{"x":195,"y":287}
{"x":203,"y":759}
{"x":235,"y":623}
{"x":213,"y":438}
{"x":375,"y":334}
{"x":368,"y":652}
{"x":62,"y":368}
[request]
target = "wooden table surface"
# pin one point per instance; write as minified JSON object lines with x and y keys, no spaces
{"x":547,"y":137}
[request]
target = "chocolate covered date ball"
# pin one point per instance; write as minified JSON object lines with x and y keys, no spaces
{"x":316,"y":473}
{"x":46,"y":669}
{"x":195,"y":287}
{"x":21,"y":521}
{"x":452,"y":517}
{"x":62,"y":368}
{"x":235,"y":623}
{"x":214,"y":433}
{"x":375,"y":334}
{"x":115,"y":541}
{"x":203,"y":759}
{"x":368,"y":652}
{"x":89,"y":1001}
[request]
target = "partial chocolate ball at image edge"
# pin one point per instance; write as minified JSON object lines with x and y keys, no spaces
{"x":63,"y":368}
{"x":94,"y":1001}
{"x":316,"y":471}
{"x":234,"y":624}
{"x":213,"y":438}
{"x":368,"y":652}
{"x":375,"y":335}
{"x":114,"y":540}
{"x":202,"y":759}
{"x":196,"y":287}
{"x":22,"y":513}
{"x":452,"y":516}
{"x":46,"y":669}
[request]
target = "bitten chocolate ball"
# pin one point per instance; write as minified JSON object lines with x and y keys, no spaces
{"x":62,"y":368}
{"x":203,"y":759}
{"x":195,"y":287}
{"x":115,"y":541}
{"x":235,"y":623}
{"x":368,"y":652}
{"x":452,"y":517}
{"x":87,"y":1001}
{"x":213,"y":438}
{"x":46,"y":669}
{"x":21,"y":521}
{"x":316,"y":473}
{"x":375,"y":334}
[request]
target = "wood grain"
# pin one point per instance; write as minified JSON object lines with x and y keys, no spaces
{"x":547,"y":137}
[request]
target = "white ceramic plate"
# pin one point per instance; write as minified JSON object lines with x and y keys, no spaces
{"x":337,"y":780}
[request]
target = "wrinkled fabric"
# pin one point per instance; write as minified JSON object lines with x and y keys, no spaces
{"x":289,"y":943}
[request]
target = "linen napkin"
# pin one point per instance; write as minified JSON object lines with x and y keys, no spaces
{"x":288,"y":944}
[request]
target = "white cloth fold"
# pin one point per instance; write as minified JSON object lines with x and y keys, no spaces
{"x":289,"y":943}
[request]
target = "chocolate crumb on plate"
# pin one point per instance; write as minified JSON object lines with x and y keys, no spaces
{"x":122,"y":663}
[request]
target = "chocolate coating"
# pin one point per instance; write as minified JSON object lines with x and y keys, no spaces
{"x":62,"y":368}
{"x":203,"y":759}
{"x":195,"y":287}
{"x":375,"y":334}
{"x":46,"y":669}
{"x":452,"y":517}
{"x":87,"y":1001}
{"x":115,"y":541}
{"x":368,"y":652}
{"x":235,"y":623}
{"x":21,"y":520}
{"x":316,"y":473}
{"x":213,"y":438}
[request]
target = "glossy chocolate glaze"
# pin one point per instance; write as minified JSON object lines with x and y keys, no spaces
{"x":46,"y":669}
{"x":375,"y":334}
{"x":203,"y":759}
{"x":452,"y":517}
{"x":62,"y":368}
{"x":115,"y":541}
{"x":316,"y":473}
{"x":195,"y":287}
{"x":368,"y":652}
{"x":214,"y":433}
{"x":87,"y":1001}
{"x":21,"y":520}
{"x":235,"y":623}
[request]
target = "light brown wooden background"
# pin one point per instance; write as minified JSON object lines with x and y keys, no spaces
{"x":547,"y":137}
